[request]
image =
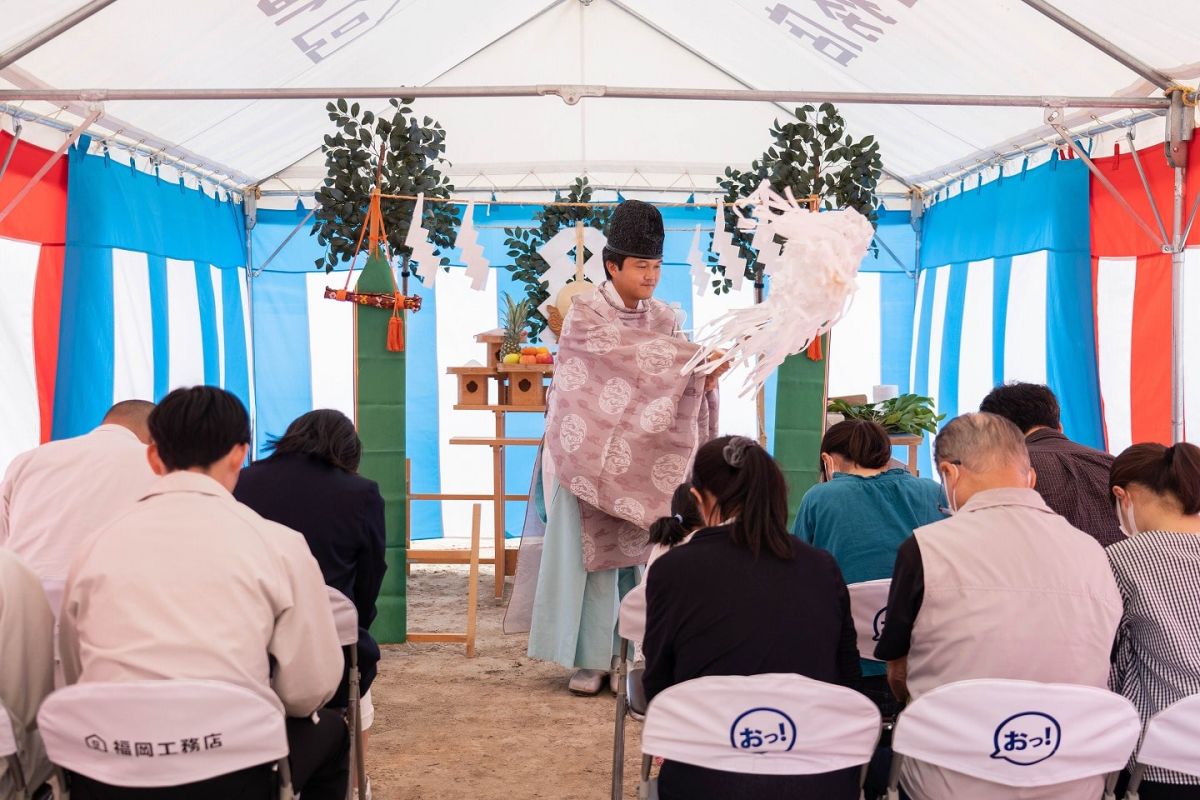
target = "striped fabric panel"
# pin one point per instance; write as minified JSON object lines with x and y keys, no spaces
{"x":20,"y":414}
{"x":856,"y":342}
{"x":1133,"y":338}
{"x":330,"y":347}
{"x":133,"y":328}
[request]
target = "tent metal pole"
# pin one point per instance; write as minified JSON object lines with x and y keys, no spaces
{"x":41,"y":173}
{"x":286,"y":239}
{"x":50,"y":32}
{"x":1102,"y":44}
{"x":573,"y":93}
{"x":1137,"y":162}
{"x":12,"y":147}
{"x":1107,"y":184}
{"x":250,"y":216}
{"x":1178,"y":343}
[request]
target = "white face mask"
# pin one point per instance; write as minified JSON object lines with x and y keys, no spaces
{"x":951,"y":494}
{"x":1126,"y":520}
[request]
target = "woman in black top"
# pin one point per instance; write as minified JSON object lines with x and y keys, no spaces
{"x":311,"y":484}
{"x":744,"y":597}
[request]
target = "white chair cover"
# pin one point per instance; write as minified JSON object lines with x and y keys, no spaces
{"x":1019,"y":733}
{"x":762,"y":724}
{"x":8,"y":737}
{"x":160,"y":733}
{"x":345,"y":617}
{"x":1171,"y":737}
{"x":631,"y":620}
{"x":868,"y":606}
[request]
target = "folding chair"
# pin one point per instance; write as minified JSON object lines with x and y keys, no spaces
{"x":868,"y":606}
{"x":760,"y":725}
{"x":1170,"y":743}
{"x":345,"y":618}
{"x":631,"y":697}
{"x":141,"y":734}
{"x":1017,"y":733}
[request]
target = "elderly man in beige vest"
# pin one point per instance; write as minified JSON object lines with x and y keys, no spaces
{"x":1004,"y":588}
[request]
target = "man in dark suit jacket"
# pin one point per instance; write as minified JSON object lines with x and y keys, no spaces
{"x":1071,"y":478}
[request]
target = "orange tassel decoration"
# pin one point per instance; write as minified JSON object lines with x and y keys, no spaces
{"x":814,"y":350}
{"x":395,"y":336}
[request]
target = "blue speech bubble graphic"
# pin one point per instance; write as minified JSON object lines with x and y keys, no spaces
{"x":1027,"y":738}
{"x":878,"y":623}
{"x":763,"y":730}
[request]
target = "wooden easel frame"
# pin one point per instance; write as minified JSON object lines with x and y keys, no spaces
{"x":471,"y":557}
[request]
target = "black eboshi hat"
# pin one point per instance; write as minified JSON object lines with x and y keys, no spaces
{"x":636,"y":230}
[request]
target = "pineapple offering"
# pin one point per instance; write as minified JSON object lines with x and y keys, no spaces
{"x":516,"y":316}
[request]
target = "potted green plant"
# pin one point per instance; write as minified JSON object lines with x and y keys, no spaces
{"x":906,"y":415}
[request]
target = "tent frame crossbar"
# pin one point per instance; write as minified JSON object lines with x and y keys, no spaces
{"x":573,"y":93}
{"x":1102,"y":44}
{"x":52,"y":31}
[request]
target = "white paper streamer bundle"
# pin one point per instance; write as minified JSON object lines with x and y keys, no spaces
{"x":812,"y":283}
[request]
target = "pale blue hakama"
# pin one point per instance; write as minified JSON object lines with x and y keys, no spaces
{"x":575,"y":612}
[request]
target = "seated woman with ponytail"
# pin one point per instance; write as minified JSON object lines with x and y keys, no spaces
{"x":746,"y":598}
{"x":1156,"y":660}
{"x":862,"y":513}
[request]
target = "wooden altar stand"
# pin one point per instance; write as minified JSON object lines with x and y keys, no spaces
{"x":501,"y":389}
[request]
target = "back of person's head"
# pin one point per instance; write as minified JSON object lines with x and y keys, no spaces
{"x":198,"y":426}
{"x":685,"y":518}
{"x":742,"y":482}
{"x":1026,"y":405}
{"x":131,"y":414}
{"x":325,"y":434}
{"x":861,"y":442}
{"x":981,"y":442}
{"x":1172,"y":473}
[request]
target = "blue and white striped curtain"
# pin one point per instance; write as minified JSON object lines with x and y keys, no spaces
{"x":1004,"y":294}
{"x":153,"y":292}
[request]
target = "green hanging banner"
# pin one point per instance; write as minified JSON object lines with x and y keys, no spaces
{"x":800,"y":422}
{"x":380,"y":400}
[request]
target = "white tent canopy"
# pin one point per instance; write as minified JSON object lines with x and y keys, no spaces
{"x":1001,"y":47}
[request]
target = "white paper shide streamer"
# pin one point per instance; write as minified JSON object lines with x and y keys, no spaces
{"x":701,"y":277}
{"x":727,"y":253}
{"x":468,"y":245}
{"x":418,"y":241}
{"x":812,"y":283}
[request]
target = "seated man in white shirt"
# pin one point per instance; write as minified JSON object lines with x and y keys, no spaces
{"x":53,"y":497}
{"x":189,"y":583}
{"x":26,"y":667}
{"x":1004,"y":588}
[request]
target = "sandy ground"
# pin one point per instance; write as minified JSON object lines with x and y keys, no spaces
{"x":499,"y":726}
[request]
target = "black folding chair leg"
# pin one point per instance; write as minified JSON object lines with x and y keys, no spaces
{"x":618,"y":772}
{"x":357,"y":755}
{"x":1135,"y":781}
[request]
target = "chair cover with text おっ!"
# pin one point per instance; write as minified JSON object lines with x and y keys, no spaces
{"x":868,"y":606}
{"x":1171,"y":736}
{"x":160,"y":733}
{"x":762,"y":725}
{"x":1019,"y":733}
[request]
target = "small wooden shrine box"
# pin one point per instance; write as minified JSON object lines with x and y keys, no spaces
{"x":526,"y":383}
{"x":472,"y":384}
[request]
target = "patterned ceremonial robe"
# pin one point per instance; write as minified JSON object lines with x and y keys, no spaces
{"x":623,"y":421}
{"x":622,"y":427}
